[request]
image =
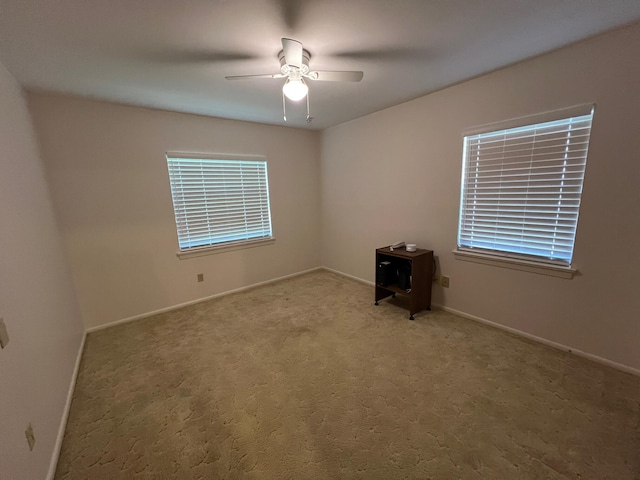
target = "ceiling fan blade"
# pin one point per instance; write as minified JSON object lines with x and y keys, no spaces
{"x":264,"y":75}
{"x":185,"y":56}
{"x":292,"y":52}
{"x":290,"y":10}
{"x":388,"y":54}
{"x":343,"y":76}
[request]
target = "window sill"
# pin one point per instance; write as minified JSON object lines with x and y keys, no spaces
{"x":516,"y":264}
{"x":212,"y":250}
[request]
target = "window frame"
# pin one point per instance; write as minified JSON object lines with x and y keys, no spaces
{"x":223,"y":246}
{"x":506,"y":259}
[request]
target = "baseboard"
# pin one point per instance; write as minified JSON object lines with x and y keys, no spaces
{"x":65,"y":414}
{"x":520,"y":333}
{"x":198,"y":300}
{"x":550,"y":343}
{"x":352,"y":277}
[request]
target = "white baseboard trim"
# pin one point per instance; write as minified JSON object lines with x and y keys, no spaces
{"x":198,"y":300}
{"x":550,"y":343}
{"x":352,"y":277}
{"x":65,"y":414}
{"x":520,"y":333}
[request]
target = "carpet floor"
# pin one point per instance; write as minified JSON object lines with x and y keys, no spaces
{"x":307,"y":379}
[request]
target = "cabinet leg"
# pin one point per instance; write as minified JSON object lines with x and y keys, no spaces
{"x":429,"y":308}
{"x":411,"y":317}
{"x":376,"y":304}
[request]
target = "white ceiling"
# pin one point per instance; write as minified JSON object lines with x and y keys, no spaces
{"x":174,"y":54}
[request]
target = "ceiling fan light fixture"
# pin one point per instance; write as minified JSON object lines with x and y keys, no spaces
{"x":295,"y":90}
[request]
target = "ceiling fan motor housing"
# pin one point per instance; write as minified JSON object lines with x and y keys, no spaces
{"x":287,"y":69}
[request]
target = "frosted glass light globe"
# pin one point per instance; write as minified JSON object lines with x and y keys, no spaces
{"x":295,"y":90}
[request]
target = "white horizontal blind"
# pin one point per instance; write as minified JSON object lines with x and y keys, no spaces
{"x":521,"y":190}
{"x":218,"y":201}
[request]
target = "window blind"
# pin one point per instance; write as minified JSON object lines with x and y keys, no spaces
{"x":521,"y":190}
{"x":219,"y":201}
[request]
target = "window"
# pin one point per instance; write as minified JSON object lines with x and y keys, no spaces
{"x":521,"y":189}
{"x":219,"y":200}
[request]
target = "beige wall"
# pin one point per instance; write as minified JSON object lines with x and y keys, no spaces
{"x":108,"y":174}
{"x":395,"y":175}
{"x":37,"y":300}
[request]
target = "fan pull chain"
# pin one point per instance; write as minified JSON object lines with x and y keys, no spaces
{"x":308,"y":115}
{"x":284,"y":108}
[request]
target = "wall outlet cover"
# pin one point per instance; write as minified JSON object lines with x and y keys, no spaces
{"x":444,"y":281}
{"x":201,"y":277}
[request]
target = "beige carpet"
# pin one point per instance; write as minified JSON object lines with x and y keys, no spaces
{"x":307,"y":379}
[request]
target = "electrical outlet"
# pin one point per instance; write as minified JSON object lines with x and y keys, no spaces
{"x":444,"y":281}
{"x":31,"y":438}
{"x":201,"y":277}
{"x":436,"y":278}
{"x":4,"y":336}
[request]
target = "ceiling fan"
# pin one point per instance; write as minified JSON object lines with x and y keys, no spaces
{"x":294,"y":66}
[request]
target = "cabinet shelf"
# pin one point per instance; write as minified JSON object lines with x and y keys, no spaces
{"x":395,"y":289}
{"x":418,"y":266}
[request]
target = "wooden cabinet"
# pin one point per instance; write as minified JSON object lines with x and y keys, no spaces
{"x":406,"y":273}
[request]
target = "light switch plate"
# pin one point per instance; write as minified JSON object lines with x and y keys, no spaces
{"x":4,"y":336}
{"x":31,"y":438}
